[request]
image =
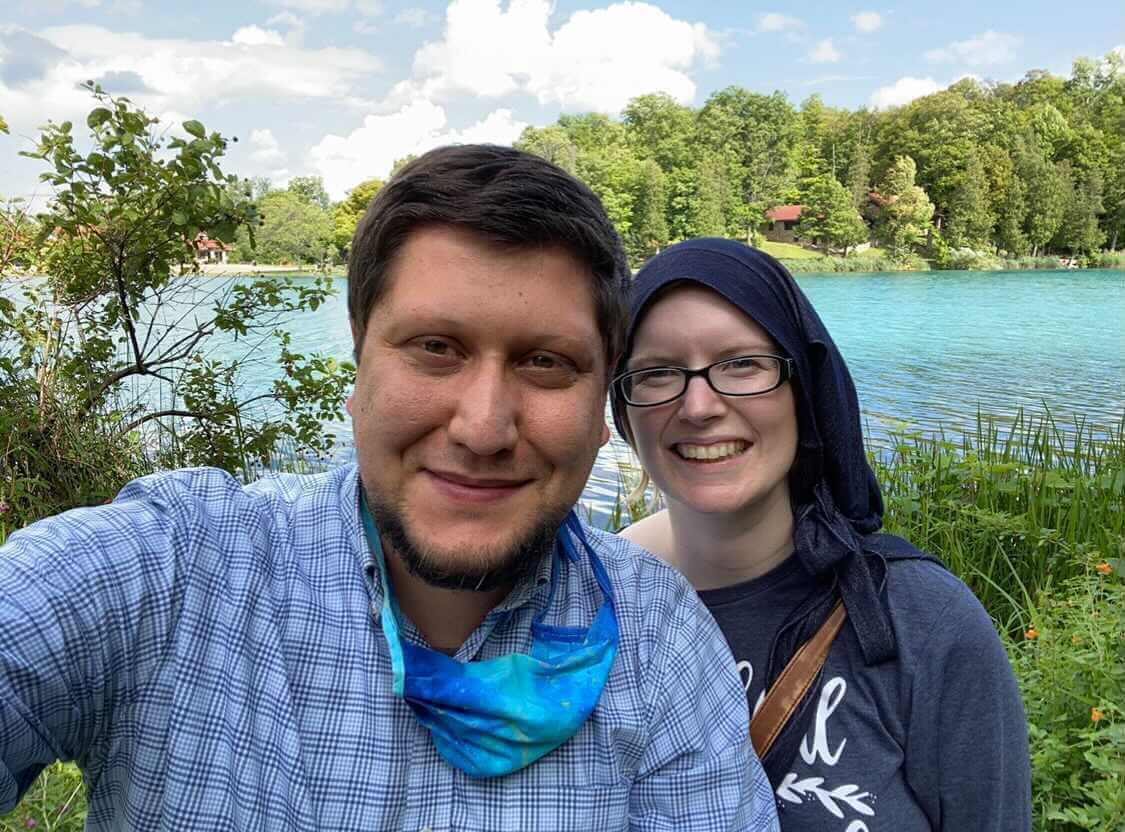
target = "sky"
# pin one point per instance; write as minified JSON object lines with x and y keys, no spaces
{"x":343,"y":88}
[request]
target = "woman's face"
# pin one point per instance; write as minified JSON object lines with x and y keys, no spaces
{"x":754,"y":438}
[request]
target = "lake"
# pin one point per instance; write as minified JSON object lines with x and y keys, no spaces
{"x":926,"y":349}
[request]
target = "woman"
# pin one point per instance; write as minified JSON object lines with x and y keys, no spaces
{"x":743,"y":413}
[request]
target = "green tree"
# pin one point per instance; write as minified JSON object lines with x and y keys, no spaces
{"x":1046,"y":197}
{"x":754,"y":138}
{"x":907,"y":211}
{"x":829,"y":218}
{"x":971,"y":218}
{"x":551,"y":143}
{"x":706,"y":214}
{"x":121,"y":331}
{"x":1078,"y":232}
{"x":347,"y":214}
{"x":649,"y":228}
{"x":310,"y":189}
{"x":293,"y":231}
{"x":658,"y":128}
{"x":859,"y":175}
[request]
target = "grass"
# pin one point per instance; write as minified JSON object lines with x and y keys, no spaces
{"x":1014,"y":509}
{"x":787,"y":251}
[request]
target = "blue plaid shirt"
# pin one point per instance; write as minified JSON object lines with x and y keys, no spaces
{"x":211,"y":655}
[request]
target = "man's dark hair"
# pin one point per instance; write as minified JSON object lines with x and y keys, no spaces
{"x":505,"y":196}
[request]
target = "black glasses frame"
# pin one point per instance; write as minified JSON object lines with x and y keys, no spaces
{"x":785,"y":372}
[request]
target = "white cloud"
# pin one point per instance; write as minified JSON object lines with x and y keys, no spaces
{"x":266,"y":150}
{"x":902,"y":91}
{"x":834,"y":79}
{"x":285,"y":18}
{"x":415,"y":17}
{"x":983,"y":50}
{"x":370,"y":8}
{"x":372,"y":149}
{"x":777,"y":22}
{"x":867,"y":21}
{"x":584,"y":64}
{"x":824,"y":52}
{"x":313,"y":6}
{"x":183,"y":74}
{"x":254,"y":36}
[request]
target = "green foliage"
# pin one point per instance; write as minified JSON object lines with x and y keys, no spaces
{"x":648,"y":232}
{"x":971,"y":213}
{"x":829,"y":217}
{"x":347,"y":214}
{"x":1078,"y":230}
{"x":120,"y":332}
{"x":1013,"y":509}
{"x":855,"y":263}
{"x":905,"y":216}
{"x":294,"y":230}
{"x":54,"y":803}
{"x":310,"y":189}
{"x":50,"y":463}
{"x":1070,"y":661}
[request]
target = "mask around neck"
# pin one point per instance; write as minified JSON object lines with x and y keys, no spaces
{"x":497,"y":716}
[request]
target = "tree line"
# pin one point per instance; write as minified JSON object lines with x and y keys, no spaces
{"x":1017,"y":169}
{"x":1021,"y":168}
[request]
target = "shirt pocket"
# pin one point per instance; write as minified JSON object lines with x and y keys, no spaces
{"x":523,"y":805}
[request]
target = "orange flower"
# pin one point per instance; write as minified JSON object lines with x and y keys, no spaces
{"x":1096,"y":715}
{"x":1031,"y":632}
{"x":1104,"y":568}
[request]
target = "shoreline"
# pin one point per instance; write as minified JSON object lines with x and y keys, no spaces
{"x":796,"y":267}
{"x":250,"y":269}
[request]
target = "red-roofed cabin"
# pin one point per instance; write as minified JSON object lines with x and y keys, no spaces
{"x":783,"y":223}
{"x":211,"y":251}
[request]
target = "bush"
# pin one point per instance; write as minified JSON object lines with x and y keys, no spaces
{"x":54,"y":803}
{"x":1107,"y":260}
{"x":965,"y":259}
{"x":1070,"y":662}
{"x":854,"y":263}
{"x":52,"y":461}
{"x":1027,"y":262}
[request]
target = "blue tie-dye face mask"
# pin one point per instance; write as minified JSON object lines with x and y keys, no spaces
{"x":493,"y":717}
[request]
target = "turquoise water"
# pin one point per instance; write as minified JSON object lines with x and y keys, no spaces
{"x":926,"y":349}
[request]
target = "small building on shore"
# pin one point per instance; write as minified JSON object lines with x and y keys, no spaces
{"x":208,"y":250}
{"x":783,"y":221}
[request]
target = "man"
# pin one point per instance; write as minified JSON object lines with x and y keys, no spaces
{"x":428,"y":640}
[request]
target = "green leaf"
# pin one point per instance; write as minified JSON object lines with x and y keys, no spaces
{"x":98,"y":117}
{"x":179,"y":218}
{"x":195,"y":128}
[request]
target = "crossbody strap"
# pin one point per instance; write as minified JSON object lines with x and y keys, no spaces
{"x":791,"y":686}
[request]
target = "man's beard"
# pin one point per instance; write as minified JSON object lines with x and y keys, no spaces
{"x":481,"y":573}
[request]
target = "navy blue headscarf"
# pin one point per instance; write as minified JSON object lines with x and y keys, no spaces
{"x":837,"y":504}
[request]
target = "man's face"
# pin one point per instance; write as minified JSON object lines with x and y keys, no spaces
{"x":479,"y":404}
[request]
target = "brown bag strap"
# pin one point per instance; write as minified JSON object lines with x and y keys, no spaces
{"x":791,"y":686}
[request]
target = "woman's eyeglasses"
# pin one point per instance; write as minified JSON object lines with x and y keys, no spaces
{"x":746,"y":375}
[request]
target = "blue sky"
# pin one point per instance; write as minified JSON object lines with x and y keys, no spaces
{"x":341,"y":88}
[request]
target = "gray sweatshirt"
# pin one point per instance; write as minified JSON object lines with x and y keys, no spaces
{"x":935,"y":740}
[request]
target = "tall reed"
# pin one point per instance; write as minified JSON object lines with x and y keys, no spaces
{"x":1012,"y":508}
